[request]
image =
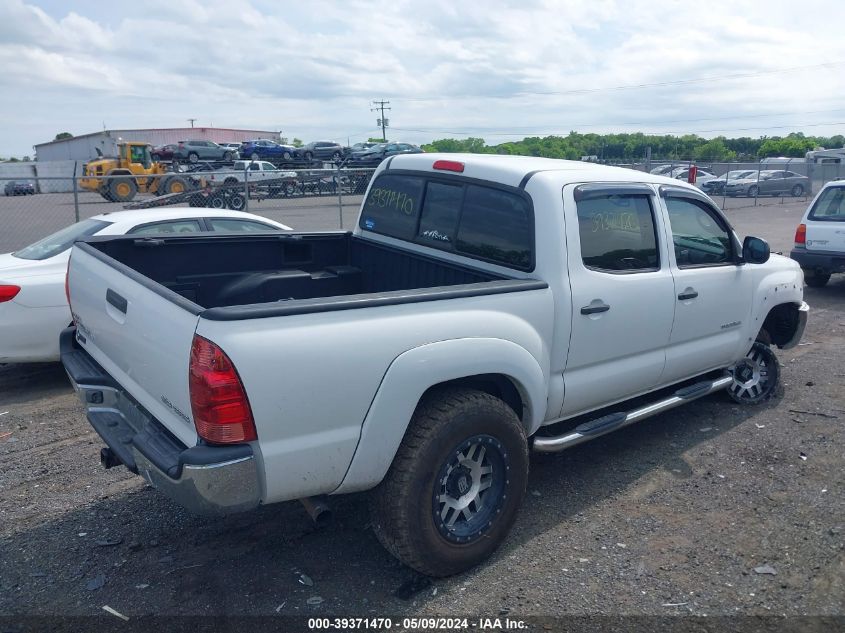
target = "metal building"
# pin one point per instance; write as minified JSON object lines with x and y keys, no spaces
{"x":85,"y":147}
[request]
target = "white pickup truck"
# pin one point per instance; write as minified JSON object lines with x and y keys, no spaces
{"x":255,"y":171}
{"x":484,"y":306}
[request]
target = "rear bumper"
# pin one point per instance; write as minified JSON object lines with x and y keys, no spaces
{"x":822,"y":261}
{"x":208,"y":480}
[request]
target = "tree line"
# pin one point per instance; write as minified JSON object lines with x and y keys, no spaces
{"x":618,"y":147}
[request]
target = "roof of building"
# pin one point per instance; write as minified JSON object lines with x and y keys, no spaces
{"x":154,"y":129}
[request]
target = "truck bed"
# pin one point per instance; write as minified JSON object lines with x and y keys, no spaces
{"x":272,"y":273}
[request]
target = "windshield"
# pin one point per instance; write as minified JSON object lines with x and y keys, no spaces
{"x":61,"y":240}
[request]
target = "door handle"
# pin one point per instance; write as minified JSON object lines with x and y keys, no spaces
{"x":117,"y":302}
{"x":688,"y":293}
{"x":595,"y":308}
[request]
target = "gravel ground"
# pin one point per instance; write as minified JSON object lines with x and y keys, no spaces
{"x":712,"y":509}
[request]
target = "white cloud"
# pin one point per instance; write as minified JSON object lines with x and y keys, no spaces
{"x":312,"y":68}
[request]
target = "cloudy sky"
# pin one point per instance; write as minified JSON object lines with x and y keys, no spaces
{"x":495,"y":69}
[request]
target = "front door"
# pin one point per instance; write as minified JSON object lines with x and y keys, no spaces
{"x":622,"y":294}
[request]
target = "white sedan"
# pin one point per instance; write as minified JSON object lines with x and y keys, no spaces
{"x":33,"y":306}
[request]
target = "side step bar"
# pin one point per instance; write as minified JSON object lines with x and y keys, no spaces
{"x":614,"y":421}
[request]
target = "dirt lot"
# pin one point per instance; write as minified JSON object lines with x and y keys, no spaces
{"x":713,"y":509}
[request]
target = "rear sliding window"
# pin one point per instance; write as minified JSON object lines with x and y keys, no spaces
{"x":830,"y":206}
{"x":478,"y":221}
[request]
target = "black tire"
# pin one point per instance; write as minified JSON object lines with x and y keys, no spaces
{"x":122,"y":189}
{"x":227,"y":156}
{"x":237,"y":202}
{"x":756,"y":377}
{"x":193,"y":157}
{"x":289,"y":189}
{"x":309,"y":156}
{"x":815,"y":279}
{"x":337,"y":156}
{"x":451,"y":429}
{"x":797,"y":190}
{"x":753,"y":191}
{"x":217,"y":201}
{"x":176,"y":184}
{"x":286,"y":155}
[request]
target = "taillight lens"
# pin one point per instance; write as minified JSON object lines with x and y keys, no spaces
{"x":448,"y":165}
{"x":7,"y":293}
{"x":222,"y":414}
{"x":801,"y":235}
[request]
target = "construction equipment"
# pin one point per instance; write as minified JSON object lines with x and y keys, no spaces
{"x":119,"y":178}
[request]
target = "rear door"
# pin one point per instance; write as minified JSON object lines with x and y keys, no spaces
{"x":826,"y":221}
{"x":622,"y":294}
{"x":140,"y":337}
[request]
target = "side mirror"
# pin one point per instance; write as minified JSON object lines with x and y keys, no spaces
{"x":755,"y":250}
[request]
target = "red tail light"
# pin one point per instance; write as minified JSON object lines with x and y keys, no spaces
{"x":449,"y":165}
{"x":7,"y":293}
{"x":222,"y":414}
{"x":801,"y":235}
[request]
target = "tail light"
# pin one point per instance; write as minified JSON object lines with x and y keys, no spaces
{"x":67,"y":289}
{"x":449,"y":165}
{"x":801,"y":236}
{"x":7,"y":293}
{"x":222,"y":414}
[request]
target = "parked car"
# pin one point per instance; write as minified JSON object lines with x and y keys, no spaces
{"x":235,"y":148}
{"x":264,"y":149}
{"x":380,"y":151}
{"x":323,"y":150}
{"x":164,"y":152}
{"x":260,"y":173}
{"x":716,"y":186}
{"x":662,"y":170}
{"x":772,"y":182}
{"x":478,"y":311}
{"x":33,"y":305}
{"x":357,"y":148}
{"x":820,"y":238}
{"x":15,"y":188}
{"x":193,"y":151}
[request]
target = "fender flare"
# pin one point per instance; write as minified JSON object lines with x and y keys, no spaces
{"x":415,"y":371}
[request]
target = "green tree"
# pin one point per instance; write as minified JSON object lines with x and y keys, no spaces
{"x":297,"y":142}
{"x":63,"y":135}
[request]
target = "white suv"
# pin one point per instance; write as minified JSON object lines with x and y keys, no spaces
{"x":820,"y":238}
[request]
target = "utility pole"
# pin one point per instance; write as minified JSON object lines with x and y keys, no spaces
{"x":192,"y":122}
{"x":382,"y":121}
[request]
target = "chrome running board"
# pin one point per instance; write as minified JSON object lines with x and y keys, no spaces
{"x":614,"y":421}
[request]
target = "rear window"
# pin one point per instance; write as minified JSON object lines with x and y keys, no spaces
{"x":483,"y":222}
{"x":830,"y":207}
{"x":62,"y":240}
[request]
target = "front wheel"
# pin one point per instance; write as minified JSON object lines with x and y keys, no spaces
{"x":455,"y":485}
{"x":753,"y":190}
{"x":756,"y":376}
{"x":193,"y":157}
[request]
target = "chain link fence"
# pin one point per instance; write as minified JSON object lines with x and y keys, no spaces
{"x":33,"y":207}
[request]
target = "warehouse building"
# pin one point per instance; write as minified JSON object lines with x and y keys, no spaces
{"x":85,"y":147}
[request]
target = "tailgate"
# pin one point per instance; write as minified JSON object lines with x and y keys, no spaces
{"x":825,"y":235}
{"x":141,"y":337}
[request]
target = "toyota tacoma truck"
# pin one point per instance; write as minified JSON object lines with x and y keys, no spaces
{"x":483,"y":307}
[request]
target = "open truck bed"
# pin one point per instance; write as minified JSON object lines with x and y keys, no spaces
{"x":237,"y":277}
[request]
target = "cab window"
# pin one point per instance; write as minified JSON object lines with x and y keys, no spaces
{"x":174,"y":226}
{"x":699,"y":236}
{"x":618,"y":234}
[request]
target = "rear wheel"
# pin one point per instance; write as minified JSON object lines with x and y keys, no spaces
{"x":797,"y":190}
{"x":122,"y":189}
{"x":309,"y":156}
{"x":193,"y":157}
{"x":336,"y":157}
{"x":756,"y":376}
{"x":217,"y":201}
{"x":753,"y":190}
{"x":456,"y":483}
{"x":815,"y":279}
{"x":227,"y":156}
